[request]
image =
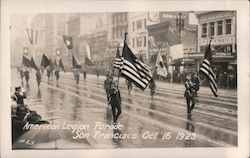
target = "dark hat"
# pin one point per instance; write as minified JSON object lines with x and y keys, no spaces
{"x":17,"y":88}
{"x":13,"y":97}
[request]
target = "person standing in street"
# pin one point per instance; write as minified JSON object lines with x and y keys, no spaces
{"x":129,"y":85}
{"x":48,"y":72}
{"x":57,"y":74}
{"x":152,"y":87}
{"x":97,"y":73}
{"x":115,"y":100}
{"x":20,"y":95}
{"x":84,"y":74}
{"x":189,"y":95}
{"x":196,"y":83}
{"x":76,"y":76}
{"x":38,"y":77}
{"x":26,"y":75}
{"x":21,"y":74}
{"x":107,"y":85}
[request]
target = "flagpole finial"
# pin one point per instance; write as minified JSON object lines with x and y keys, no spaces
{"x":125,"y":36}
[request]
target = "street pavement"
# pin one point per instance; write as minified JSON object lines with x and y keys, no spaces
{"x":158,"y":123}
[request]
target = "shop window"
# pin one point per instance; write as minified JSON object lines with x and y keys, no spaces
{"x":139,"y":24}
{"x":204,"y":30}
{"x":219,"y":27}
{"x":211,"y":28}
{"x":138,"y":42}
{"x":133,"y":26}
{"x":228,"y":26}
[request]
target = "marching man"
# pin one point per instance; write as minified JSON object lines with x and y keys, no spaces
{"x":115,"y":101}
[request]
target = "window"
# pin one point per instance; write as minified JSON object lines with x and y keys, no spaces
{"x":219,"y":27}
{"x":115,"y":34}
{"x":133,"y":42}
{"x":124,"y":17}
{"x":121,"y":33}
{"x":228,"y":26}
{"x":133,"y":26}
{"x":138,"y":41}
{"x":145,"y":41}
{"x":211,"y":28}
{"x":118,"y":33}
{"x":145,"y":24}
{"x":139,"y":24}
{"x":204,"y":30}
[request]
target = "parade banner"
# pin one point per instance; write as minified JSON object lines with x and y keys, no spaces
{"x":116,"y":107}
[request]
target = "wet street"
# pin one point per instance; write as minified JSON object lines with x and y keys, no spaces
{"x":145,"y":123}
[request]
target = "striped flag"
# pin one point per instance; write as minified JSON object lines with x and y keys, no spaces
{"x":132,"y":68}
{"x":207,"y":69}
{"x":118,"y":60}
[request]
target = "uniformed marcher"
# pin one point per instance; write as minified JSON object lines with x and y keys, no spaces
{"x":84,"y":74}
{"x":97,"y":73}
{"x":115,"y":101}
{"x":38,"y":77}
{"x":196,"y":82}
{"x":20,"y":95}
{"x":76,"y":76}
{"x":26,"y":75}
{"x":57,"y":75}
{"x":129,"y":85}
{"x":189,"y":95}
{"x":152,"y":87}
{"x":107,"y":85}
{"x":48,"y":72}
{"x":21,"y":74}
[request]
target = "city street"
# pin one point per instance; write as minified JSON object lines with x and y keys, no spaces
{"x":213,"y":122}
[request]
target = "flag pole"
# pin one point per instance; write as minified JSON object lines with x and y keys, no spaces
{"x":125,"y":38}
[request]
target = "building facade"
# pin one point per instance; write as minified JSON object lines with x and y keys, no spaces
{"x":173,"y":28}
{"x":138,"y":33}
{"x":221,"y":27}
{"x":51,"y":28}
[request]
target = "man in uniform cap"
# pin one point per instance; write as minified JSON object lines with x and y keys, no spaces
{"x":189,"y":95}
{"x":20,"y":95}
{"x":107,"y":85}
{"x":115,"y":100}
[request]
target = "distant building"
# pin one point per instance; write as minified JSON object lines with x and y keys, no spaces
{"x":51,"y":28}
{"x":221,"y":26}
{"x":18,"y":38}
{"x":138,"y":33}
{"x":93,"y":36}
{"x":171,"y":29}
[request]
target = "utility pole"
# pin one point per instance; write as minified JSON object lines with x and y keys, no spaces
{"x":179,"y":24}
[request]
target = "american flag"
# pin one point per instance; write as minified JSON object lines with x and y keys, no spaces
{"x":132,"y":68}
{"x":207,"y":69}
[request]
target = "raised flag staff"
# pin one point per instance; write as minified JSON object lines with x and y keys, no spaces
{"x":207,"y":69}
{"x":76,"y":66}
{"x":132,"y":68}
